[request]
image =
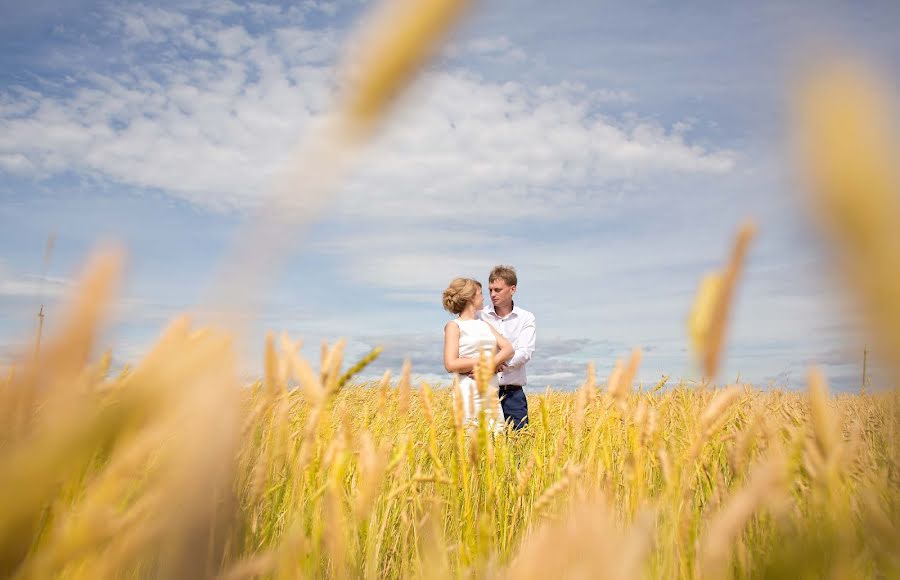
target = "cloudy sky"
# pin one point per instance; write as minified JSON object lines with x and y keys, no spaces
{"x":607,"y":150}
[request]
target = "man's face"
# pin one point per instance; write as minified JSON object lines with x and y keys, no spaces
{"x":501,"y":293}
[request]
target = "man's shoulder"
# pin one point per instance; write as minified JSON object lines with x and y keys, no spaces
{"x":527,"y":314}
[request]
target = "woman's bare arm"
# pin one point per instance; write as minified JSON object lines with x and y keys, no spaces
{"x":506,"y":351}
{"x":452,"y":361}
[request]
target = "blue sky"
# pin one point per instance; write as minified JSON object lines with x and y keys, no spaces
{"x":607,"y":150}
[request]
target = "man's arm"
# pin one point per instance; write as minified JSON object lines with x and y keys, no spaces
{"x":524,"y":345}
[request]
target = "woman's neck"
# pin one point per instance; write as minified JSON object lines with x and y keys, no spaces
{"x":468,"y":313}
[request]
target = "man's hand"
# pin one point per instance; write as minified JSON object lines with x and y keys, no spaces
{"x":502,"y":367}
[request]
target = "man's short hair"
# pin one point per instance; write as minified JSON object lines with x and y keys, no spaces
{"x":505,"y":273}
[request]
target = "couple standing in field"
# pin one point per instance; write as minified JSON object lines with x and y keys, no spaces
{"x":503,"y":328}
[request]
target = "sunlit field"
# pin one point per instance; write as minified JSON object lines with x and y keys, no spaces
{"x":149,"y":474}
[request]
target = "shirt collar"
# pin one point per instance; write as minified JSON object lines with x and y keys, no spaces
{"x":490,"y":309}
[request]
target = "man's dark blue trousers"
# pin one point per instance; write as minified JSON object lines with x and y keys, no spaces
{"x":515,"y":405}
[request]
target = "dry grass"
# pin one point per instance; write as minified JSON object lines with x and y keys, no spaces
{"x":177,"y":470}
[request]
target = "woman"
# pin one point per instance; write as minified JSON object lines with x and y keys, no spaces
{"x":465,"y":338}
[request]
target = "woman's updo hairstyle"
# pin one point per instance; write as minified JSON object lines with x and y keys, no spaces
{"x":459,"y":293}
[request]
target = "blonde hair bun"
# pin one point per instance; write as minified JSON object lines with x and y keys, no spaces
{"x":459,"y":293}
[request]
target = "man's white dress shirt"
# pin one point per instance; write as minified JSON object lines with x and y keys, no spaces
{"x":518,"y":328}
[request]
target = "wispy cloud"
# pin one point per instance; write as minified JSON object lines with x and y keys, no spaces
{"x":213,"y":110}
{"x":25,"y":285}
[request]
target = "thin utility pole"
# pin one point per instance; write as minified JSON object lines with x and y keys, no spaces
{"x":48,"y":254}
{"x":862,"y":387}
{"x":40,"y":330}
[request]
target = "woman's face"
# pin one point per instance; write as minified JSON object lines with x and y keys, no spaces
{"x":478,"y":301}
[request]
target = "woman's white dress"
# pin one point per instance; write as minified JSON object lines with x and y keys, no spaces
{"x":476,"y":336}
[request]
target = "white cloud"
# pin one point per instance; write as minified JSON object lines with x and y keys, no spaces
{"x":323,"y":6}
{"x":554,"y":378}
{"x":18,"y":285}
{"x":32,"y":287}
{"x":498,"y":49}
{"x":16,"y":163}
{"x":490,"y":45}
{"x":215,"y":130}
{"x":233,"y":41}
{"x":534,"y":151}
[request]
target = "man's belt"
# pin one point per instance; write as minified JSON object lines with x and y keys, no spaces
{"x":510,"y":387}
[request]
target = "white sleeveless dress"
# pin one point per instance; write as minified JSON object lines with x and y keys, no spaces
{"x":476,"y":336}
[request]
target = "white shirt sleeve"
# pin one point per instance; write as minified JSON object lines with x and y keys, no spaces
{"x":524,"y":346}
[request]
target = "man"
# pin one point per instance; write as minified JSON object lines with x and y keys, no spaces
{"x":517,"y":326}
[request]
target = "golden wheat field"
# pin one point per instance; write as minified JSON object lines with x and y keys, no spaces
{"x":174,"y":470}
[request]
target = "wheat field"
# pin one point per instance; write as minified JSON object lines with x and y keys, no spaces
{"x":174,"y":469}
